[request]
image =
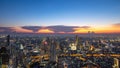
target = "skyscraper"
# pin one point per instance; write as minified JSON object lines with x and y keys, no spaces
{"x":8,"y":40}
{"x":53,"y":51}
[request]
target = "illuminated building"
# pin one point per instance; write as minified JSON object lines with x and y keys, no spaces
{"x":72,"y":46}
{"x":116,"y":63}
{"x":76,"y":41}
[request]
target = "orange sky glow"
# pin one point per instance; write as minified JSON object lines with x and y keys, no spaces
{"x":106,"y":29}
{"x":19,"y":29}
{"x":45,"y":30}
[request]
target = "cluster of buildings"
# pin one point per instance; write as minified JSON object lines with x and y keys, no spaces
{"x":60,"y":51}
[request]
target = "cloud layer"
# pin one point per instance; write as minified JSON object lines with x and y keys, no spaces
{"x":116,"y":25}
{"x":41,"y":29}
{"x":114,"y":28}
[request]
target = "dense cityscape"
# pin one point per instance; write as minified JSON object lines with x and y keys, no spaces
{"x":71,"y":51}
{"x":59,"y":33}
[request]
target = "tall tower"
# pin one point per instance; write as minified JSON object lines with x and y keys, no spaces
{"x":53,"y":51}
{"x":8,"y":40}
{"x":8,"y":44}
{"x":76,"y":41}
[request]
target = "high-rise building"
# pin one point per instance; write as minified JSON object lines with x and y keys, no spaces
{"x":53,"y":51}
{"x":91,"y":34}
{"x":8,"y":40}
{"x":4,"y":56}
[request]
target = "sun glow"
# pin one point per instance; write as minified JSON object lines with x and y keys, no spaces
{"x":81,"y":30}
{"x":107,"y":29}
{"x":45,"y":30}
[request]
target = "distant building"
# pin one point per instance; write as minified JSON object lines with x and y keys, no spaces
{"x":91,"y":34}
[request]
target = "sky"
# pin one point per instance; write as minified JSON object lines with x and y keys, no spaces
{"x":99,"y":15}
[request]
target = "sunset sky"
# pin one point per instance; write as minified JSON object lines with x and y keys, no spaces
{"x":76,"y":16}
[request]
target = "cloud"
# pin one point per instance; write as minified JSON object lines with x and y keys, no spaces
{"x":61,"y":32}
{"x":5,"y":29}
{"x":20,"y":29}
{"x":33,"y":28}
{"x":116,"y":25}
{"x":48,"y":29}
{"x":45,"y":30}
{"x":62,"y":28}
{"x":1,"y":30}
{"x":82,"y":29}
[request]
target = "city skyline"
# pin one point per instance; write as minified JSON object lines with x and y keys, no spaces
{"x":100,"y":16}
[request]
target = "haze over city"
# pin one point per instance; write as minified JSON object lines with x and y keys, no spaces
{"x":60,"y":16}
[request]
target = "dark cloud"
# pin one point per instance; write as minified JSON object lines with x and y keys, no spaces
{"x":6,"y":29}
{"x":85,"y":27}
{"x":66,"y":28}
{"x":62,"y":28}
{"x":116,"y":25}
{"x":34,"y":28}
{"x":56,"y":29}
